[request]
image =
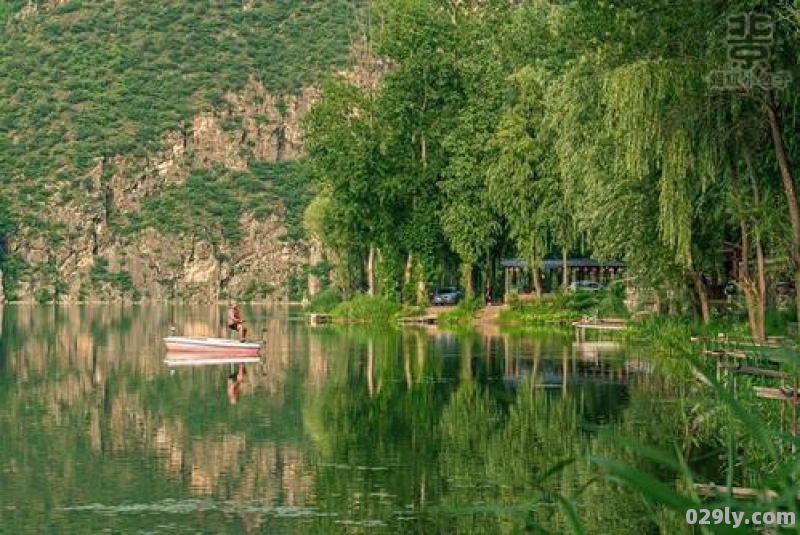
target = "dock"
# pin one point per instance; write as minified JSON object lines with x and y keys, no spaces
{"x":582,"y":326}
{"x":319,"y":319}
{"x":603,"y":325}
{"x":752,"y":371}
{"x":783,"y":394}
{"x":711,"y":490}
{"x":429,"y":319}
{"x":722,"y":353}
{"x":772,"y":342}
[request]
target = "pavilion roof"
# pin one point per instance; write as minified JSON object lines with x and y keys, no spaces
{"x":555,"y":263}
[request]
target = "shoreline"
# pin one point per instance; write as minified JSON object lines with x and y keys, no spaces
{"x":143,"y":302}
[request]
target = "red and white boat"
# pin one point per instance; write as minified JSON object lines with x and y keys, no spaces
{"x":217,"y":346}
{"x":183,"y":358}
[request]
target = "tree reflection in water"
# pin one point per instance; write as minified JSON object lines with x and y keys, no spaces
{"x":343,"y":427}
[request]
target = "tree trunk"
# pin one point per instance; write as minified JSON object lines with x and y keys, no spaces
{"x":423,"y":148}
{"x":422,"y":290}
{"x":409,"y":267}
{"x":745,"y":280}
{"x":533,"y":265}
{"x":407,"y":278}
{"x":755,"y":291}
{"x":537,"y":283}
{"x":788,"y":187}
{"x":565,"y":267}
{"x":371,"y":271}
{"x":759,"y":286}
{"x":469,"y":284}
{"x":702,"y":297}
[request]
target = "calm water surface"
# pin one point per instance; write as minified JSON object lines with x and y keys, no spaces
{"x":337,"y":430}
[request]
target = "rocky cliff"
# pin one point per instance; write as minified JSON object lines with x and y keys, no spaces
{"x":107,"y":207}
{"x":98,"y":260}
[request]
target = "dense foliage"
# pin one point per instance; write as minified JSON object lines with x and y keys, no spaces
{"x":550,"y":128}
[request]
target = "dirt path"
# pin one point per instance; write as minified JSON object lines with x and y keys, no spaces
{"x":489,"y":315}
{"x":486,"y":316}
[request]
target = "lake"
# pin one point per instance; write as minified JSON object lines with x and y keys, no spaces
{"x":339,"y":429}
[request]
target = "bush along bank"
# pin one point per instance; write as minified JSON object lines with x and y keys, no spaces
{"x":562,"y":309}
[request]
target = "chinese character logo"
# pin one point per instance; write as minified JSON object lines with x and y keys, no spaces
{"x":750,"y":39}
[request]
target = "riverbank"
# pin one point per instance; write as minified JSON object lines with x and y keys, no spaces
{"x":668,"y":333}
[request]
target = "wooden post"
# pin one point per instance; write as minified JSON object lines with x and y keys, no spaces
{"x":505,"y":285}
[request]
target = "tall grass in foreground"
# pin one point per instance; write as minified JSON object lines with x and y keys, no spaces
{"x":757,"y":452}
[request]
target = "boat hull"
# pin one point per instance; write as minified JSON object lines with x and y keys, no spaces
{"x":217,"y":346}
{"x":206,"y":358}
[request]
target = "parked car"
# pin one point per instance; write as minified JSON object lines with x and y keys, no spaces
{"x":446,"y":296}
{"x":589,"y":286}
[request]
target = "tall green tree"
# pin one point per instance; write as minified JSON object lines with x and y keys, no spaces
{"x":343,"y":159}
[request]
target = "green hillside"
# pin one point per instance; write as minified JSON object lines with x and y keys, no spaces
{"x":92,"y":79}
{"x":98,"y":78}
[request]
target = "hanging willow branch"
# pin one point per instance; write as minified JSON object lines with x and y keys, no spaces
{"x":656,"y":115}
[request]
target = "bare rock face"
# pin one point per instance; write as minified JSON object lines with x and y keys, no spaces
{"x":32,"y":8}
{"x":212,"y":144}
{"x":91,"y":260}
{"x":272,"y":123}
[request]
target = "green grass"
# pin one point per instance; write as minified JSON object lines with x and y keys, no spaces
{"x":562,"y":309}
{"x":542,"y":312}
{"x":366,"y":309}
{"x":462,"y":315}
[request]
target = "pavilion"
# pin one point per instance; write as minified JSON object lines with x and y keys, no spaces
{"x":518,"y":276}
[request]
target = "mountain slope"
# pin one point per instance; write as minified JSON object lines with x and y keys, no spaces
{"x":148,"y":149}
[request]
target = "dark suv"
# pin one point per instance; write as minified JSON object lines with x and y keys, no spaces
{"x":446,"y":296}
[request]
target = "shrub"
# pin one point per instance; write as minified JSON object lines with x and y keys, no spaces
{"x":367,"y":309}
{"x":463,"y":314}
{"x":44,"y":295}
{"x":326,"y":300}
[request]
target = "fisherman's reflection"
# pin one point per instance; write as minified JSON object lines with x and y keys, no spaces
{"x":235,"y":381}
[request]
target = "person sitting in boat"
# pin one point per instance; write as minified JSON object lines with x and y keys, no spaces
{"x":235,"y":321}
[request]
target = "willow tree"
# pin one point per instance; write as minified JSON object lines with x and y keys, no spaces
{"x":763,"y":152}
{"x":340,"y":236}
{"x":469,"y":219}
{"x":657,"y":119}
{"x":635,"y":136}
{"x":517,"y":180}
{"x":753,"y":195}
{"x":779,"y":106}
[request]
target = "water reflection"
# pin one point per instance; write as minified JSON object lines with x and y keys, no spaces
{"x":333,"y":430}
{"x":235,"y":382}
